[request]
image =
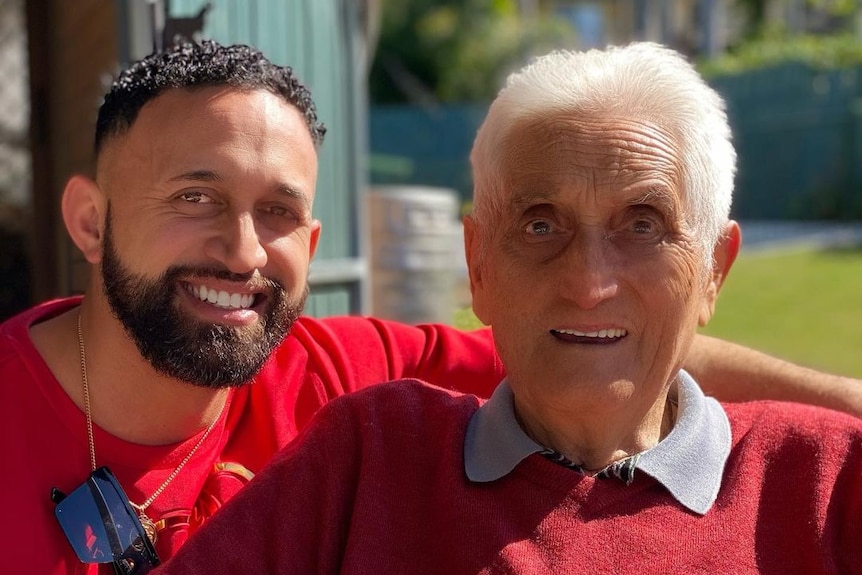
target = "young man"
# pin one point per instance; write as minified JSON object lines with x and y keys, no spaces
{"x":186,"y":365}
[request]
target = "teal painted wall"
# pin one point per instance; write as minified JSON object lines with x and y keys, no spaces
{"x":798,"y":135}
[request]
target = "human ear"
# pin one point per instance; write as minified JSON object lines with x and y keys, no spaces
{"x":723,"y":256}
{"x":472,"y":251}
{"x":81,"y":208}
{"x":313,"y":240}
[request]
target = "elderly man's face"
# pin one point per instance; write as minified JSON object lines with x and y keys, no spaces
{"x":590,"y":278}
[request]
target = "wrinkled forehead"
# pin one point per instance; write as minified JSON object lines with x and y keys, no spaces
{"x":604,"y":150}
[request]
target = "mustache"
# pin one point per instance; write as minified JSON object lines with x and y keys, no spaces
{"x":254,"y":280}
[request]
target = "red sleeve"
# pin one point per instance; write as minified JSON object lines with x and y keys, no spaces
{"x":375,"y":350}
{"x":323,"y":359}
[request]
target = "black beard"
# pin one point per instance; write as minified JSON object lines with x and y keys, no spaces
{"x":179,"y":346}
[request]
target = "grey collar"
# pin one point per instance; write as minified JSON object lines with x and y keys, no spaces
{"x":689,"y":462}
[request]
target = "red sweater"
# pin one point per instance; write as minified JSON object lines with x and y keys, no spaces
{"x":376,"y":485}
{"x":45,"y":438}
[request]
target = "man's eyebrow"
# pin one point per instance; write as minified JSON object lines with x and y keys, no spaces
{"x":293,"y":193}
{"x":197,"y":176}
{"x":658,"y":196}
{"x":530,"y":196}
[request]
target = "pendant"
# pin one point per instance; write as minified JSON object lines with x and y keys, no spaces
{"x":149,"y":527}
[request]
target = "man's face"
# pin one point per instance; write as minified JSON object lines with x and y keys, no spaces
{"x":590,"y":278}
{"x":208,"y":231}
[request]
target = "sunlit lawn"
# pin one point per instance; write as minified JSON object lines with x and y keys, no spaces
{"x":805,"y":306}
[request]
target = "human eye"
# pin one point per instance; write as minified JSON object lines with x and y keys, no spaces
{"x":278,"y":210}
{"x":196,"y":202}
{"x":644,"y":226}
{"x":538,"y":228}
{"x":645,"y":223}
{"x":279,"y":217}
{"x":195,"y":197}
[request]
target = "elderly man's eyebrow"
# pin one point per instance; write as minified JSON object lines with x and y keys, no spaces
{"x":528,"y":197}
{"x":659,"y":197}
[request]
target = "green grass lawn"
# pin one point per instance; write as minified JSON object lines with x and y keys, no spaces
{"x":804,"y":306}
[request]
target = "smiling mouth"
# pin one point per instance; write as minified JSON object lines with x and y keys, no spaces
{"x":603,"y":336}
{"x":222,"y":299}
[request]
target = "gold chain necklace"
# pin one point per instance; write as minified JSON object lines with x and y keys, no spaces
{"x":148,"y":524}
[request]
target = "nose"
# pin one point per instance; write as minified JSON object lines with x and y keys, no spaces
{"x":238,"y":245}
{"x":588,"y":272}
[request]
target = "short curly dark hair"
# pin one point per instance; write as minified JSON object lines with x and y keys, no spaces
{"x":199,"y":64}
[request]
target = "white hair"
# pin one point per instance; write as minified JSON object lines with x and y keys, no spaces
{"x":643,"y":81}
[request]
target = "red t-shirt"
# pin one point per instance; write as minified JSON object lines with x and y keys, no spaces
{"x":45,"y":439}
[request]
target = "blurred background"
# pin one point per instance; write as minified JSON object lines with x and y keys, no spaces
{"x":402,"y":86}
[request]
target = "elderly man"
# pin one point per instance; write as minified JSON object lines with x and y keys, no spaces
{"x":599,"y":242}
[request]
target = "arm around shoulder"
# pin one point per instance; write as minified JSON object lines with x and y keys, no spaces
{"x":732,"y":372}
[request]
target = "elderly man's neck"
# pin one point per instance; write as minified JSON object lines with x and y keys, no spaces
{"x":594,"y":436}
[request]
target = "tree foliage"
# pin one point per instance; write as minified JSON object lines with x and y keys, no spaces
{"x":755,"y":14}
{"x":455,"y":50}
{"x":820,"y":52}
{"x":769,"y":42}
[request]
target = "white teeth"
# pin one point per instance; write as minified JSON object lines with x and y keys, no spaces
{"x":222,"y":298}
{"x":602,"y":333}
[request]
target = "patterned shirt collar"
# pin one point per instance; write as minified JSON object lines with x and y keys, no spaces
{"x":689,"y":462}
